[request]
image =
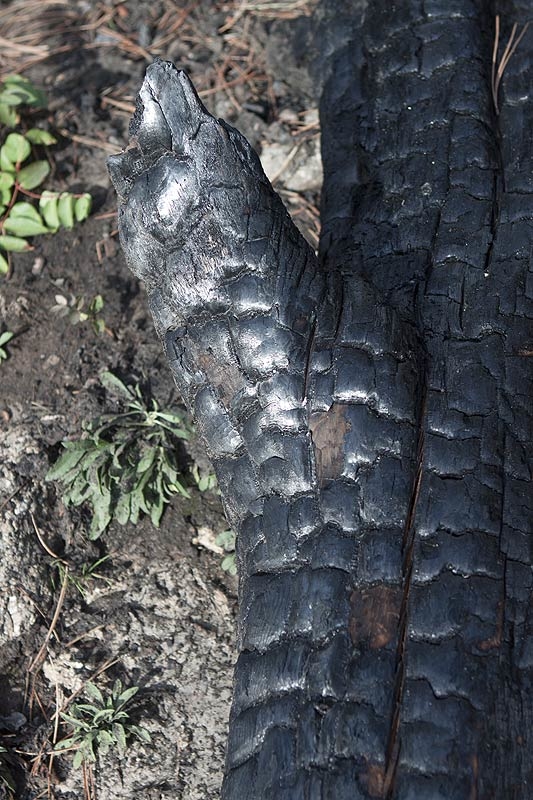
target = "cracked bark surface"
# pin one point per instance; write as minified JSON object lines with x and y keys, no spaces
{"x":368,"y":413}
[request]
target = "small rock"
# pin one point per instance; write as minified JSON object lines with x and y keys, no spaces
{"x":289,"y":116}
{"x":13,"y":722}
{"x":298,"y":167}
{"x":52,"y":361}
{"x":37,"y":266}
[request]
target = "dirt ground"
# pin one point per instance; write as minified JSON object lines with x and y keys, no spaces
{"x":161,"y":613}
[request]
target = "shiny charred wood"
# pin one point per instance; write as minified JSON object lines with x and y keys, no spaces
{"x":368,"y":414}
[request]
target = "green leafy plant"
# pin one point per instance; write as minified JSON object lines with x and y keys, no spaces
{"x":21,"y":173}
{"x":14,"y":92}
{"x":5,"y":337}
{"x":127,"y":463}
{"x":73,"y":309}
{"x":226,"y":540}
{"x":101,"y":724}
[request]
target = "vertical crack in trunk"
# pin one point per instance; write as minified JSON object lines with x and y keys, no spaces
{"x":394,"y":740}
{"x":498,"y":188}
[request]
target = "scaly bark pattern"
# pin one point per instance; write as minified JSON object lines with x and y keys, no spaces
{"x":367,"y":414}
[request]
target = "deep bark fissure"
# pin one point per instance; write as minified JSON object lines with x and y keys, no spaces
{"x":498,"y":189}
{"x":394,"y":739}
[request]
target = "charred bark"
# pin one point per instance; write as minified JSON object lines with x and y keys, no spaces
{"x":368,"y":413}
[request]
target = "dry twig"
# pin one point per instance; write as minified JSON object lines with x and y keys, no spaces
{"x":510,"y":48}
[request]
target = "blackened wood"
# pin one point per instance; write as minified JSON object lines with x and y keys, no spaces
{"x":368,"y":415}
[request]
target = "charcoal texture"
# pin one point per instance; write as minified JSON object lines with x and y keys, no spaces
{"x":368,"y":412}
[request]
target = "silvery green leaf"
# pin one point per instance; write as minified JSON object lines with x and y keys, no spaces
{"x":16,"y":148}
{"x":94,"y":692}
{"x":82,"y":207}
{"x":33,"y":174}
{"x":40,"y":136}
{"x":65,"y":210}
{"x":13,"y":244}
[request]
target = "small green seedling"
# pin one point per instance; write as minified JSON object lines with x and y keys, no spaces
{"x":21,"y":173}
{"x":73,"y":309}
{"x":127,"y":463}
{"x":226,"y":540}
{"x":101,"y":724}
{"x":80,"y":579}
{"x":5,"y":337}
{"x":205,"y":481}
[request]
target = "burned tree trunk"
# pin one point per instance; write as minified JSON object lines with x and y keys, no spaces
{"x":368,"y":413}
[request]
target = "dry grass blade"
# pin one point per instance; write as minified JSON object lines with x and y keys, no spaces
{"x":37,"y":764}
{"x":122,"y":42}
{"x":275,"y":6}
{"x":498,"y":70}
{"x":56,"y":721}
{"x":11,"y":496}
{"x":89,"y":787}
{"x":50,"y":767}
{"x":18,"y":48}
{"x":234,"y":19}
{"x":37,"y":607}
{"x":89,"y":141}
{"x":285,"y":164}
{"x":510,"y":51}
{"x":224,"y":85}
{"x":29,"y":30}
{"x":494,"y":62}
{"x":275,"y":9}
{"x":41,"y":655}
{"x":305,"y":213}
{"x":170,"y":23}
{"x":121,"y":105}
{"x":80,"y":636}
{"x":41,"y":540}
